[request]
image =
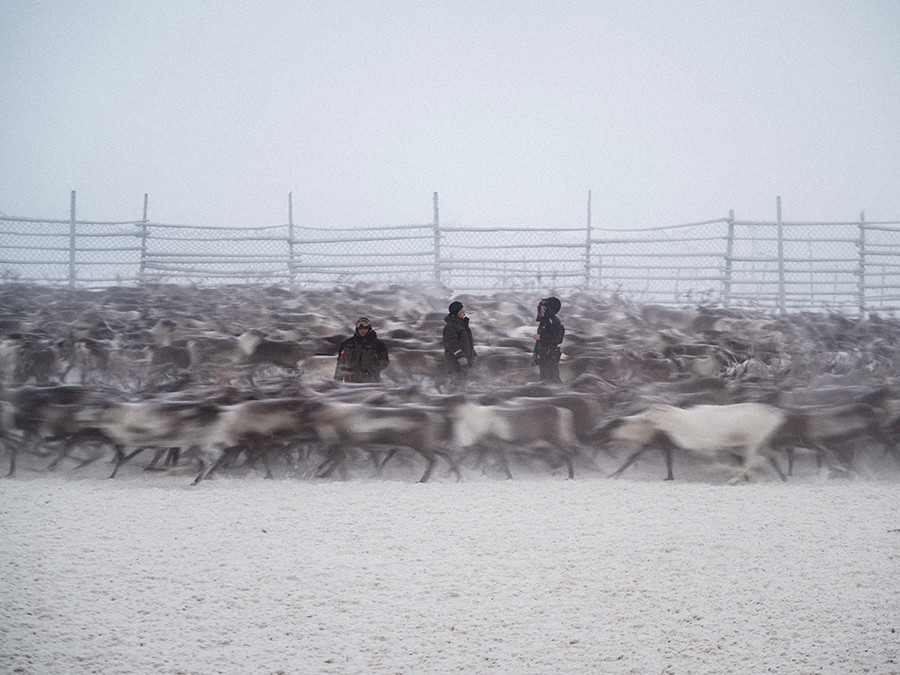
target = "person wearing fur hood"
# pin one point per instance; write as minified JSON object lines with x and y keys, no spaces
{"x":549,"y":336}
{"x":362,"y":356}
{"x":459,"y":348}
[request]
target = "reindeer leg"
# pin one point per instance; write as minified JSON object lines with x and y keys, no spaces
{"x":432,"y":460}
{"x":826,"y":454}
{"x":12,"y":461}
{"x":376,"y":464}
{"x":202,"y":474}
{"x":667,"y":453}
{"x":892,"y":448}
{"x":157,"y":455}
{"x":256,"y":453}
{"x":774,"y":463}
{"x":628,"y":462}
{"x":173,"y":457}
{"x":63,"y":454}
{"x":13,"y":446}
{"x":431,"y":456}
{"x":207,"y":467}
{"x":335,"y":456}
{"x":453,"y":467}
{"x":265,"y":459}
{"x":387,"y":458}
{"x":226,"y":458}
{"x":121,"y":458}
{"x":447,"y":458}
{"x":85,"y":462}
{"x":570,"y":466}
{"x":504,"y":464}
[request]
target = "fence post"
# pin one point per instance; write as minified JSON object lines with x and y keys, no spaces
{"x":291,"y":234}
{"x":729,"y":254}
{"x":437,"y":242}
{"x":72,"y":241}
{"x":143,"y":265}
{"x":587,"y":247}
{"x":782,"y":304}
{"x":861,"y":292}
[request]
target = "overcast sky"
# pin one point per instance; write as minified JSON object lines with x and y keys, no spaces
{"x":669,"y":112}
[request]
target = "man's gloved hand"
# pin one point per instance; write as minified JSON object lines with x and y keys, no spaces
{"x":535,"y":359}
{"x":463,"y":361}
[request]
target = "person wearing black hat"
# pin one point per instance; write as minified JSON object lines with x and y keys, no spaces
{"x":550,"y":334}
{"x":459,"y":348}
{"x":362,"y":357}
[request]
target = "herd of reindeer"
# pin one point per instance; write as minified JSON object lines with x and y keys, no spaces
{"x":239,"y":379}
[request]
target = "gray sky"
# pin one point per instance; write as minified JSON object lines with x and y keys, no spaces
{"x":669,"y":112}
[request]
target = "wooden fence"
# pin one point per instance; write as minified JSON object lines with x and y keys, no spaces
{"x":850,"y":267}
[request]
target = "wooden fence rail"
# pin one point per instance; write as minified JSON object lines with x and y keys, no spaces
{"x":849,"y":266}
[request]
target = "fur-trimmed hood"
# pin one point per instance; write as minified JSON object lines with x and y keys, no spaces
{"x":552,"y":304}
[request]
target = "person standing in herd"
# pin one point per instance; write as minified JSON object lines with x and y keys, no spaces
{"x":550,"y":334}
{"x":361,"y":357}
{"x":459,"y":348}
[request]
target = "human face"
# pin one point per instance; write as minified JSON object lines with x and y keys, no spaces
{"x":461,"y":313}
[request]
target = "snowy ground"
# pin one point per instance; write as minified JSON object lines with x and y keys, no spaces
{"x":144,"y":574}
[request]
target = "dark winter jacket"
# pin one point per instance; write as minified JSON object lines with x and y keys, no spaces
{"x":361,"y":359}
{"x":550,"y":328}
{"x":458,"y":343}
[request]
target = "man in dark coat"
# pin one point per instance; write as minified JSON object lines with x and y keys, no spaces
{"x":362,"y":357}
{"x":459,"y":348}
{"x":549,"y":335}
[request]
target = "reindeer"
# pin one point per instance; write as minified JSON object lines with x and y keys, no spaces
{"x":261,"y":351}
{"x":746,"y":430}
{"x":217,"y":350}
{"x":41,"y":413}
{"x":343,"y":425}
{"x":834,"y":433}
{"x":143,"y":425}
{"x":35,"y":357}
{"x":258,"y":351}
{"x":7,"y":441}
{"x":254,"y":426}
{"x":526,"y":427}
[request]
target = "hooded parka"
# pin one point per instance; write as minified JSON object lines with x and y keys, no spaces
{"x":361,"y":358}
{"x":458,"y":344}
{"x":550,"y":335}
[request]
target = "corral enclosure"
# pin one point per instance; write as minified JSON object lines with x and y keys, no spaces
{"x":538,"y":574}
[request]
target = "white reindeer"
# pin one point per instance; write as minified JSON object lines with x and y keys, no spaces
{"x":709,"y":431}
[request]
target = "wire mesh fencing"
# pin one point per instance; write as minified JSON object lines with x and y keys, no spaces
{"x":684,"y":264}
{"x":880,"y":266}
{"x":810,"y":266}
{"x":211,"y":254}
{"x":850,"y":267}
{"x":385,"y":254}
{"x":479,"y":258}
{"x":54,"y":251}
